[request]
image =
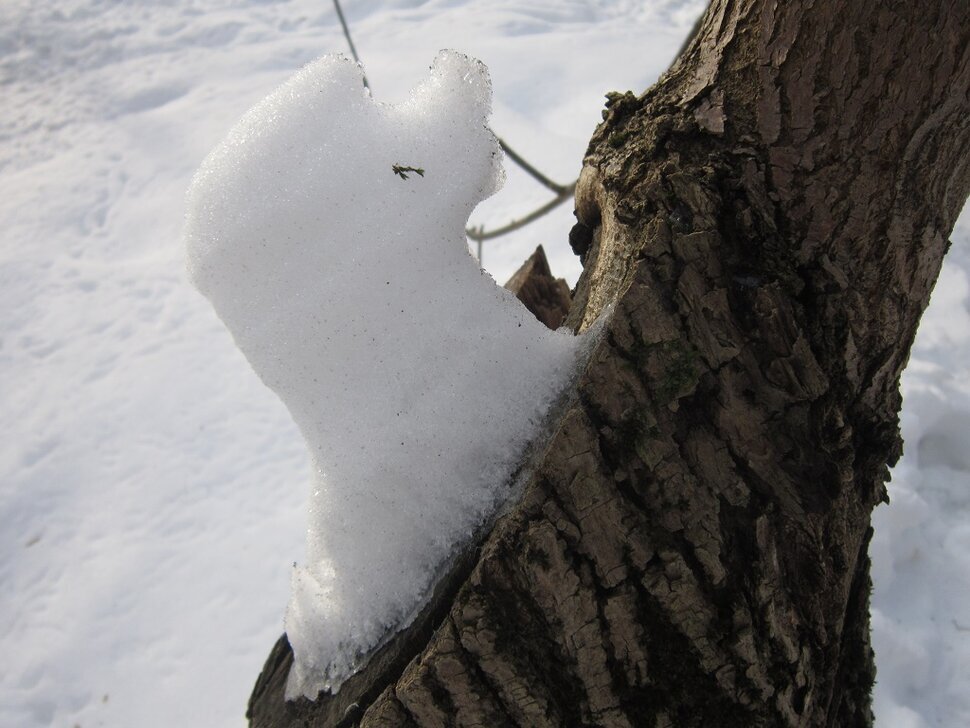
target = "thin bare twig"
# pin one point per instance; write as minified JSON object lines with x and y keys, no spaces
{"x":479,"y":234}
{"x":536,"y":174}
{"x":350,"y":42}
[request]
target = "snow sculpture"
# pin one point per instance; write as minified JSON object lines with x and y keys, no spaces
{"x":327,"y":230}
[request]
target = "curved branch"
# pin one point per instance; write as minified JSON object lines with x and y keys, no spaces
{"x":480,"y":234}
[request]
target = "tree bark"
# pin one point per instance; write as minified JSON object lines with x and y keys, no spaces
{"x":763,"y":229}
{"x":547,"y":297}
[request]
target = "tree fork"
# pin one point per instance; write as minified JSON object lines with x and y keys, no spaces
{"x":767,"y":222}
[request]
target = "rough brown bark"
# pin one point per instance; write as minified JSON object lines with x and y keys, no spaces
{"x":767,"y":223}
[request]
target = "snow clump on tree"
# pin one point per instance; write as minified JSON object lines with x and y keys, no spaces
{"x":327,"y":230}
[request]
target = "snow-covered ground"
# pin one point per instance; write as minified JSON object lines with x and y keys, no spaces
{"x":153,"y":492}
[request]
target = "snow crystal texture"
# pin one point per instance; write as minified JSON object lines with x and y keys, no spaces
{"x":327,"y":230}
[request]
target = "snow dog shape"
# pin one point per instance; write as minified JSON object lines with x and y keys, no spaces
{"x":327,"y":230}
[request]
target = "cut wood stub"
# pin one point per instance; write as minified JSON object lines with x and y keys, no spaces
{"x":547,"y":297}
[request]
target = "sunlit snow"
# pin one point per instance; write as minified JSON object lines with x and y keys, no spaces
{"x":328,"y":233}
{"x":152,"y":490}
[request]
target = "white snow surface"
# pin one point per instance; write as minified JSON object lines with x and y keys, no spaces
{"x":152,"y":490}
{"x":328,"y":231}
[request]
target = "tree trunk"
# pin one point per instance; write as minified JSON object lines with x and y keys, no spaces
{"x":767,"y":223}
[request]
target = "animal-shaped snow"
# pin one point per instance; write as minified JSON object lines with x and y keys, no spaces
{"x":327,"y":230}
